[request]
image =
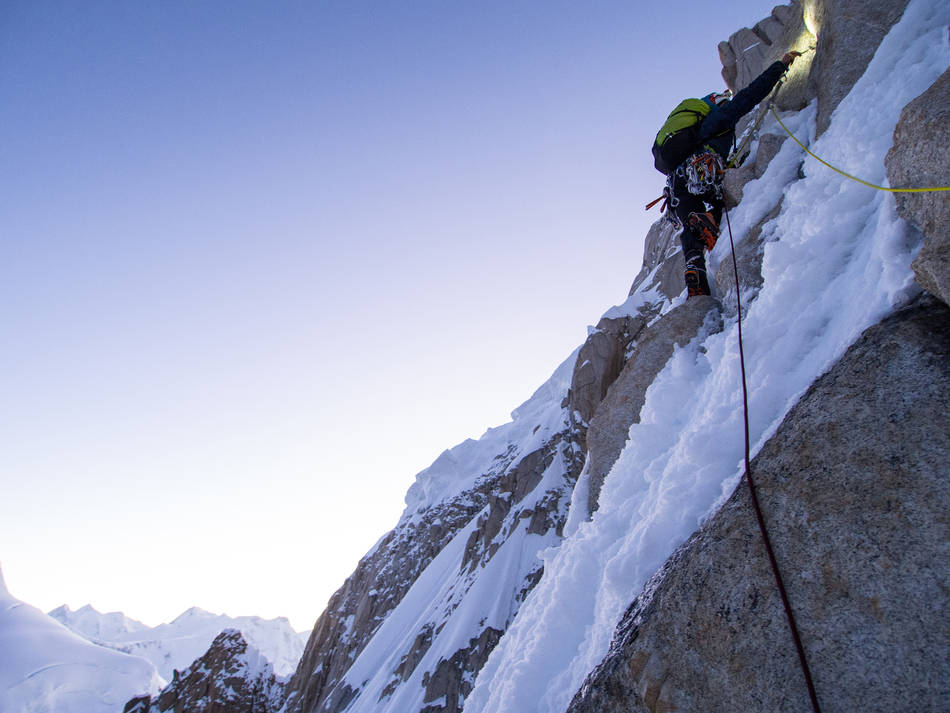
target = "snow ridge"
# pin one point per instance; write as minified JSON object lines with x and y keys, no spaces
{"x":176,"y":644}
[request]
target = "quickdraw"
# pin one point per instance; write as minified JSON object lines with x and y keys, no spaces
{"x":669,"y":204}
{"x":703,"y":173}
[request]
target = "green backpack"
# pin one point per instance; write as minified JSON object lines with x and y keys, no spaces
{"x":679,"y":136}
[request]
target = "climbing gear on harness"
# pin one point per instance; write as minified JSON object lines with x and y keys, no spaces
{"x":703,"y":172}
{"x":780,"y":584}
{"x":678,"y":136}
{"x":672,"y":203}
{"x":848,"y":175}
{"x":666,"y":198}
{"x":703,"y":225}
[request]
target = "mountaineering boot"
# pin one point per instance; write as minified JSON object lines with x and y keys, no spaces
{"x":696,"y":282}
{"x":704,"y":226}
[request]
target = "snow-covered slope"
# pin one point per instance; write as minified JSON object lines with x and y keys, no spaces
{"x":417,"y":619}
{"x":466,"y":601}
{"x":836,"y":261}
{"x":177,"y":644}
{"x":45,"y":668}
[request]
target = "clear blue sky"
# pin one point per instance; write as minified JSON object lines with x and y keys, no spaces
{"x":261,"y":262}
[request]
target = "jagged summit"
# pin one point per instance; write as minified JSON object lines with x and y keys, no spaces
{"x":230,"y":676}
{"x":192,"y":614}
{"x":177,"y":644}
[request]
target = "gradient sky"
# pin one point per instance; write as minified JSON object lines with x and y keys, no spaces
{"x":261,"y":262}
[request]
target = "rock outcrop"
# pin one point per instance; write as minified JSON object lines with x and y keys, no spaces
{"x":662,"y":270}
{"x":849,"y":32}
{"x":651,"y":348}
{"x":855,"y":492}
{"x":922,"y":134}
{"x":749,"y":51}
{"x":230,"y":677}
{"x":375,"y":588}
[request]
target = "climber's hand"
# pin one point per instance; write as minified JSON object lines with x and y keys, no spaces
{"x":789,"y":57}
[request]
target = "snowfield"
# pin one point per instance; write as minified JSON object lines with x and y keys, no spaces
{"x":45,"y":668}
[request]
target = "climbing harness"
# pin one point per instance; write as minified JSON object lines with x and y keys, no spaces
{"x":789,"y":614}
{"x":848,"y":175}
{"x":702,"y":173}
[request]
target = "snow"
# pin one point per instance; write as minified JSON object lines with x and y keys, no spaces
{"x":175,"y":645}
{"x":455,"y":606}
{"x":45,"y":668}
{"x":837,"y":261}
{"x":635,"y":302}
{"x":533,"y":423}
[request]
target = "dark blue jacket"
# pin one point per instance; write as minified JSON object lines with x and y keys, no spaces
{"x":718,"y":129}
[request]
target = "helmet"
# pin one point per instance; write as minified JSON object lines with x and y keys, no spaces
{"x":717,"y":98}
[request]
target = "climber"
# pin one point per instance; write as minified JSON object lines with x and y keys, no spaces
{"x":692,"y":148}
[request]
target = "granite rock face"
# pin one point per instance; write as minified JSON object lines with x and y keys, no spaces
{"x":600,"y":360}
{"x":750,"y":50}
{"x":663,"y":263}
{"x":849,"y":32}
{"x":360,"y":606}
{"x":855,"y":492}
{"x":735,"y":179}
{"x":449,"y":683}
{"x":923,"y":133}
{"x":649,"y":353}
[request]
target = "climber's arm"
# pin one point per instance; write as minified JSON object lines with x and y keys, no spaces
{"x":724,"y":118}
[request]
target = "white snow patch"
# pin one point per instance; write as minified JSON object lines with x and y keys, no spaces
{"x":45,"y":668}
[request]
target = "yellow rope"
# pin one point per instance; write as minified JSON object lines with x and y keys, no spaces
{"x":855,"y":178}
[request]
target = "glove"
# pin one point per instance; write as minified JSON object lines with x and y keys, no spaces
{"x":789,"y":57}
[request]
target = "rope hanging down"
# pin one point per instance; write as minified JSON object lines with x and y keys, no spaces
{"x":789,"y":614}
{"x":848,"y":175}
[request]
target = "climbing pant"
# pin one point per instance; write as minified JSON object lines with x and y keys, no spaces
{"x":685,"y":203}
